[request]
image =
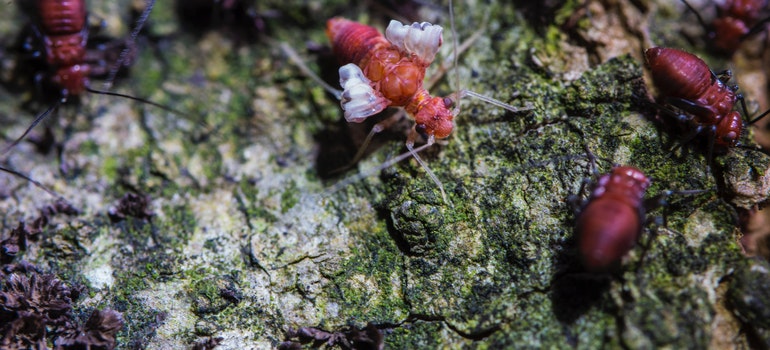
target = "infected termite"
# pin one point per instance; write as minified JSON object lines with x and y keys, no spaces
{"x":379,"y":71}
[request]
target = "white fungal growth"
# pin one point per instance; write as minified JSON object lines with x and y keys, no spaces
{"x":420,"y":39}
{"x":359,"y":100}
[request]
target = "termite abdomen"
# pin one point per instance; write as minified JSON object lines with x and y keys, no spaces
{"x":352,"y":41}
{"x":681,"y":75}
{"x":703,"y":101}
{"x":610,"y":223}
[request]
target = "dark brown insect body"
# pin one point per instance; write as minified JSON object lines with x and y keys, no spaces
{"x":237,"y":19}
{"x":684,"y":81}
{"x":610,"y":223}
{"x":735,"y":20}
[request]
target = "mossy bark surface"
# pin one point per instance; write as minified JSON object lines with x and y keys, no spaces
{"x":248,"y":241}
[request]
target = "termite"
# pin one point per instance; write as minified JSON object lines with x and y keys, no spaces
{"x":735,"y":21}
{"x":60,"y":31}
{"x":379,"y":71}
{"x":685,"y":82}
{"x":611,"y":221}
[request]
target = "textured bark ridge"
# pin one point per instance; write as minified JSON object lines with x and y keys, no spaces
{"x":217,"y":229}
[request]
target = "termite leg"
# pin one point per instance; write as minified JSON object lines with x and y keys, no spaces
{"x":130,"y":43}
{"x":32,"y":126}
{"x":410,"y":146}
{"x":376,"y":129}
{"x":697,"y":15}
{"x":294,"y":57}
{"x":389,"y":163}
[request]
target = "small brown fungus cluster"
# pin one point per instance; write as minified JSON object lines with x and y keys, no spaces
{"x":36,"y":311}
{"x":132,"y":205}
{"x":368,"y":338}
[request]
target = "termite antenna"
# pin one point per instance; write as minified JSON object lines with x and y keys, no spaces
{"x":33,"y":181}
{"x":697,"y":15}
{"x":455,"y":43}
{"x":32,"y":126}
{"x":139,"y":99}
{"x":129,"y":43}
{"x":459,"y":92}
{"x":487,"y":99}
{"x":294,"y":57}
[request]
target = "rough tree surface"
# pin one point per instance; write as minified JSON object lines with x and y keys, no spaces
{"x":242,"y":240}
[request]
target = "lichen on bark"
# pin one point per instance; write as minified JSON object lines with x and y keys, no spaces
{"x":247,"y":241}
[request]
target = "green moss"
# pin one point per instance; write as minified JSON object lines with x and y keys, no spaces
{"x":289,"y":197}
{"x":497,"y":268}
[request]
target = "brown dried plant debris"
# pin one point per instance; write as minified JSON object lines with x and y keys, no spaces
{"x":16,"y":241}
{"x":368,"y":338}
{"x":36,"y":310}
{"x":132,"y":205}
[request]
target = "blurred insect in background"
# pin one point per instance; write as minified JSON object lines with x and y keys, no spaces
{"x":238,"y":19}
{"x":381,"y":71}
{"x":56,"y":47}
{"x":735,"y":21}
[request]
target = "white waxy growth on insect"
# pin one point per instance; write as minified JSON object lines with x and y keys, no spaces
{"x":359,"y":100}
{"x":420,"y":39}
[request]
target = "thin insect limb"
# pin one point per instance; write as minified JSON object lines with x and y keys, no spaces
{"x":387,"y":164}
{"x":431,"y":141}
{"x":36,"y":183}
{"x":139,"y":99}
{"x":459,"y":49}
{"x":452,"y":61}
{"x":32,"y":126}
{"x":487,"y":99}
{"x":294,"y":57}
{"x":376,"y":129}
{"x":130,"y":44}
{"x":697,"y":15}
{"x":661,"y":198}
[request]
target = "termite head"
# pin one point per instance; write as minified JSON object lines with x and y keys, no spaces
{"x":72,"y":80}
{"x":729,"y":130}
{"x":434,"y":117}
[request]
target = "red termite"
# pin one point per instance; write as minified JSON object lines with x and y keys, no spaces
{"x":60,"y":28}
{"x":380,"y":71}
{"x":388,"y":74}
{"x":610,"y":223}
{"x":684,"y":81}
{"x":735,"y":21}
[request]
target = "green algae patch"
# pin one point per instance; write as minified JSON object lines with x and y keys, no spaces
{"x":252,"y":238}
